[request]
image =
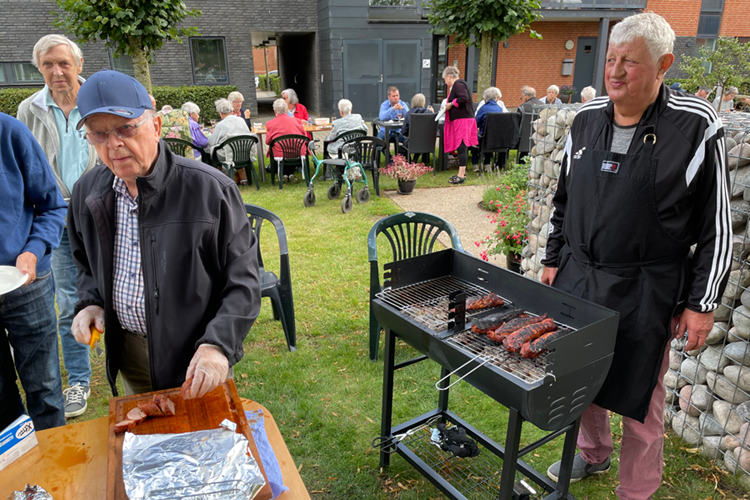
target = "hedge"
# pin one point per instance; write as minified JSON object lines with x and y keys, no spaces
{"x":275,"y":83}
{"x":203,"y":96}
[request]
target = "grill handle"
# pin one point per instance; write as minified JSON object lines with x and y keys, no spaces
{"x":437,"y":384}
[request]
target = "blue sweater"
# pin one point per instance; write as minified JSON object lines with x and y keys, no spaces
{"x":32,"y":210}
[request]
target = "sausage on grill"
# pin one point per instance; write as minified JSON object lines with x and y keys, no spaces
{"x":484,"y":302}
{"x":494,"y":321}
{"x":515,"y":340}
{"x":511,"y":326}
{"x":536,"y":347}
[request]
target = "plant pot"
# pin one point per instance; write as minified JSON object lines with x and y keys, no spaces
{"x":406,"y":187}
{"x":566,"y":98}
{"x":513,"y":262}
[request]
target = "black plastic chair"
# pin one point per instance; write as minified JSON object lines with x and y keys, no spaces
{"x":278,"y":289}
{"x":366,"y":150}
{"x":294,"y":152}
{"x":241,"y":147}
{"x":410,"y":234}
{"x":184,"y":148}
{"x":500,"y":136}
{"x":422,"y":135}
{"x":524,"y":137}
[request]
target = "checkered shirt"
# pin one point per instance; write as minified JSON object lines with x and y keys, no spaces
{"x":129,"y":300}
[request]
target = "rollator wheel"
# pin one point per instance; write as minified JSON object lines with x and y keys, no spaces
{"x":334,"y":192}
{"x":346,"y":204}
{"x":363,"y":195}
{"x":309,"y":199}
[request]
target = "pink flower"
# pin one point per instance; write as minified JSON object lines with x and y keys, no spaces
{"x":484,"y":256}
{"x":477,"y":243}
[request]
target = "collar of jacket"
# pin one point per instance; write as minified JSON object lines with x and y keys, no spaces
{"x":41,"y":96}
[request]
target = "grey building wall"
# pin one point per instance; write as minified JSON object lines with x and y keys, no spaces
{"x":340,"y":20}
{"x":683,"y":46}
{"x":233,"y":20}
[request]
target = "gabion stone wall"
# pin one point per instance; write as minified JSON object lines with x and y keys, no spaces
{"x":550,"y":128}
{"x":708,"y":390}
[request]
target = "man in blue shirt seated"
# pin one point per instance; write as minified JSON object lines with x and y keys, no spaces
{"x":32,"y":216}
{"x":392,"y":108}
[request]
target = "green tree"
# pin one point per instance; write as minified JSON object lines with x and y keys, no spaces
{"x":729,"y":64}
{"x":487,"y":21}
{"x":137,"y":28}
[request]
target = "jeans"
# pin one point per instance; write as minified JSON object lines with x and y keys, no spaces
{"x":75,"y":355}
{"x":28,"y":315}
{"x":641,"y":451}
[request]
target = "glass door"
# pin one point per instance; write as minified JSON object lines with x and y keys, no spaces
{"x":363,"y":76}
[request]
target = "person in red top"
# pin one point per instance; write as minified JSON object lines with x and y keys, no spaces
{"x":283,"y":124}
{"x":294,"y":108}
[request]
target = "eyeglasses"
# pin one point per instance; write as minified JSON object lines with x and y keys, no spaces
{"x":121,"y":132}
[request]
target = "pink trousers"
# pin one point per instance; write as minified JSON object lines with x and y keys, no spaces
{"x":641,"y":453}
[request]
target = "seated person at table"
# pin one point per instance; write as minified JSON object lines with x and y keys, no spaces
{"x":196,"y":134}
{"x":587,"y":94}
{"x":283,"y":124}
{"x":492,"y":102}
{"x":175,"y":124}
{"x":727,"y":100}
{"x":392,"y":108}
{"x":498,"y":102}
{"x":349,"y":122}
{"x":294,"y":108}
{"x":237,"y":110}
{"x":417,"y":108}
{"x":552,"y":92}
{"x":182,"y":311}
{"x":229,"y":126}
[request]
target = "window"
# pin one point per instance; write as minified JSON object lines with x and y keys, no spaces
{"x":209,"y":61}
{"x":699,"y":43}
{"x":709,"y":22}
{"x":123,"y":63}
{"x":20,"y":74}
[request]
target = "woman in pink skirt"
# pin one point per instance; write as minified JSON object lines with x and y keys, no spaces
{"x":460,"y":126}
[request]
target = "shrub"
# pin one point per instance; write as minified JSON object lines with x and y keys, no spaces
{"x":203,"y":96}
{"x":275,"y":83}
{"x":11,"y":98}
{"x":512,"y":181}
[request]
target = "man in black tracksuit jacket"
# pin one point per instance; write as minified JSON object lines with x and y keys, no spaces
{"x":643,"y":179}
{"x":199,"y":292}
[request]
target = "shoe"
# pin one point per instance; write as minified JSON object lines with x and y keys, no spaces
{"x":476,"y":169}
{"x":292,"y":178}
{"x":243,"y":182}
{"x":286,"y":178}
{"x":581,"y":469}
{"x":457,"y":180}
{"x":75,"y":400}
{"x":488,"y":168}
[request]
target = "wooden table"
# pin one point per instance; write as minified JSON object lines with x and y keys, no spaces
{"x":262,"y":131}
{"x":71,"y":461}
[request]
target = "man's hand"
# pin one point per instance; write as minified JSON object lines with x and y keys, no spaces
{"x":548,"y":275}
{"x":84,"y":320}
{"x":697,"y":325}
{"x":208,"y":369}
{"x":398,"y":106}
{"x":247,"y":114}
{"x":26,"y":263}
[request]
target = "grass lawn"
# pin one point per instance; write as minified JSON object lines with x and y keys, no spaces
{"x":326,"y":396}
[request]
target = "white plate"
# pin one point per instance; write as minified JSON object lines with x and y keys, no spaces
{"x":10,"y":279}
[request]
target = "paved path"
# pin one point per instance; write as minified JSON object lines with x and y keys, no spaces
{"x":457,"y":205}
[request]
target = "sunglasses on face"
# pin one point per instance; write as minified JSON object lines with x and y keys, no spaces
{"x":122,"y":132}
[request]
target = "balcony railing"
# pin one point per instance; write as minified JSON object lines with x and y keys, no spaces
{"x":593,"y":4}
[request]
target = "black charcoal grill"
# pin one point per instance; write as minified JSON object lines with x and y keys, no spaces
{"x":422,"y":304}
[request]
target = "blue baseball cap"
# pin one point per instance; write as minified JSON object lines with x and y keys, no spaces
{"x":113,"y":93}
{"x":676,"y":86}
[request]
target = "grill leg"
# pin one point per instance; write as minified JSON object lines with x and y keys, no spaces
{"x":566,"y":465}
{"x":510,"y":459}
{"x":389,"y":352}
{"x":443,"y":398}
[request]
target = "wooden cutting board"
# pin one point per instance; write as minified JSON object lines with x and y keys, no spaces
{"x":192,"y":415}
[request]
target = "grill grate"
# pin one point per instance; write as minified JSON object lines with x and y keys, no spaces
{"x":490,"y":352}
{"x":477,"y":478}
{"x":427,"y":301}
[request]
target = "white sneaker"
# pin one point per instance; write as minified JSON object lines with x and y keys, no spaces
{"x":286,"y":178}
{"x":292,"y":178}
{"x":488,"y":167}
{"x":476,"y":169}
{"x":75,"y":400}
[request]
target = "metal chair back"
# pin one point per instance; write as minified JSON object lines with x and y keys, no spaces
{"x":366,"y":151}
{"x":241,"y":147}
{"x":409,"y":234}
{"x":278,"y":289}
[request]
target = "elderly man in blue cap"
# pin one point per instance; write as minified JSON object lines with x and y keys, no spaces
{"x":167,"y":260}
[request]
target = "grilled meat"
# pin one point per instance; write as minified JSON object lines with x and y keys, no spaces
{"x":136,"y":415}
{"x":125,"y":425}
{"x":151,"y":409}
{"x":536,"y":347}
{"x":165,"y":404}
{"x":494,"y":321}
{"x":515,"y":340}
{"x":484,"y":302}
{"x":511,"y":326}
{"x":185,"y":393}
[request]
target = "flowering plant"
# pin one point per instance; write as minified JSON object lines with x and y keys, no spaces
{"x":403,"y":170}
{"x":510,"y":232}
{"x":568,"y":90}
